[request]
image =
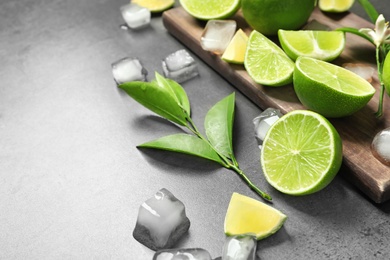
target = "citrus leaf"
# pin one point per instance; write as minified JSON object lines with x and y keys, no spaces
{"x":184,"y":143}
{"x":176,"y":91}
{"x":157,"y":99}
{"x":219,"y":125}
{"x":370,"y":10}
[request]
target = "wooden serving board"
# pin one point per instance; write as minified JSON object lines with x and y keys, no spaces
{"x":357,"y":131}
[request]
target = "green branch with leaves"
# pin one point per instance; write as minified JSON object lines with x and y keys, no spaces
{"x":168,"y":99}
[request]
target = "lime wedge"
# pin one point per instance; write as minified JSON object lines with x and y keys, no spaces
{"x":335,"y":6}
{"x":155,"y":6}
{"x":322,"y":45}
{"x":329,"y":89}
{"x":266,"y":63}
{"x":249,"y":216}
{"x":235,"y":51}
{"x":301,"y":153}
{"x":212,"y":9}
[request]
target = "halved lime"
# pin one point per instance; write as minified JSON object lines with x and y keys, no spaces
{"x":235,"y":51}
{"x":301,"y":153}
{"x":322,"y":45}
{"x":330,"y":89}
{"x":155,"y":6}
{"x":266,"y":63}
{"x":335,"y":6}
{"x":249,"y":216}
{"x":212,"y":9}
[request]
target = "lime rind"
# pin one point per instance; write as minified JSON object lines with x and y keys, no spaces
{"x":301,"y":154}
{"x":213,"y":9}
{"x":266,"y":63}
{"x":322,"y":45}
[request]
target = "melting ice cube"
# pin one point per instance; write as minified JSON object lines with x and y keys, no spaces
{"x":381,"y":146}
{"x":135,"y":16}
{"x":161,"y":221}
{"x":242,"y":247}
{"x":180,"y":66}
{"x":263,"y":122}
{"x":217,"y":35}
{"x":128,"y":69}
{"x":182,"y":254}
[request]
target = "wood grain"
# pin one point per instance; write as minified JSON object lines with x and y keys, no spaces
{"x":357,"y":131}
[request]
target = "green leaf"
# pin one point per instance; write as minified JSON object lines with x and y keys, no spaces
{"x":370,"y":10}
{"x":185,"y":143}
{"x":356,"y":32}
{"x":219,"y":125}
{"x":157,"y":99}
{"x":176,"y":91}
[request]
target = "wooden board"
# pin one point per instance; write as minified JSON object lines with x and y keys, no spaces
{"x":357,"y":131}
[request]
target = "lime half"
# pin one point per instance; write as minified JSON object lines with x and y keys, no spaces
{"x":335,"y":6}
{"x":155,"y":6}
{"x":212,"y":9}
{"x":329,"y":89}
{"x":266,"y":63}
{"x":322,"y":45}
{"x":249,"y":216}
{"x":301,"y":153}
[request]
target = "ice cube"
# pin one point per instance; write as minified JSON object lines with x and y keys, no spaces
{"x":128,"y":69}
{"x":161,"y":221}
{"x":182,"y":254}
{"x":241,"y":247}
{"x":263,"y":122}
{"x":135,"y":16}
{"x":217,"y":35}
{"x":179,"y":66}
{"x":381,"y":146}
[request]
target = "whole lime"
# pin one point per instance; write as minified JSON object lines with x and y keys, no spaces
{"x":268,"y":16}
{"x":386,"y":74}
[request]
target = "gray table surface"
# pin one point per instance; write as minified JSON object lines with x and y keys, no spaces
{"x":72,"y":179}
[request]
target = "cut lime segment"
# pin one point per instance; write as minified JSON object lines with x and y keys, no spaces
{"x":266,"y":63}
{"x":155,"y":6}
{"x":329,"y":89}
{"x":322,"y":45}
{"x":235,"y":51}
{"x":212,"y":9}
{"x":335,"y":6}
{"x":249,"y":216}
{"x":302,"y":153}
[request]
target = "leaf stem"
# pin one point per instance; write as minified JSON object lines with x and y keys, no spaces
{"x":379,"y":112}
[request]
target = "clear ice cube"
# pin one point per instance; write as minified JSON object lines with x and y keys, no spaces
{"x":263,"y":122}
{"x":182,"y":254}
{"x":180,"y":66}
{"x":217,"y":35}
{"x":128,"y":69}
{"x":135,"y":16}
{"x":241,"y":247}
{"x":381,"y":146}
{"x":161,"y":221}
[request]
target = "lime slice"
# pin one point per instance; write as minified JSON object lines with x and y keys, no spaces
{"x":249,"y":216}
{"x":322,"y":45}
{"x":386,"y":74}
{"x":329,"y":89}
{"x":212,"y":9}
{"x":335,"y":6}
{"x":235,"y":51}
{"x":155,"y":6}
{"x":301,"y":153}
{"x":266,"y":63}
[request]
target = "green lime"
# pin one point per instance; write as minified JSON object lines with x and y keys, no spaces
{"x":249,"y":216}
{"x":386,"y":74}
{"x":301,"y":153}
{"x":235,"y":51}
{"x":268,"y":16}
{"x":212,"y":9}
{"x":329,"y":89}
{"x":155,"y":6}
{"x":335,"y":6}
{"x":322,"y":45}
{"x":266,"y":63}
